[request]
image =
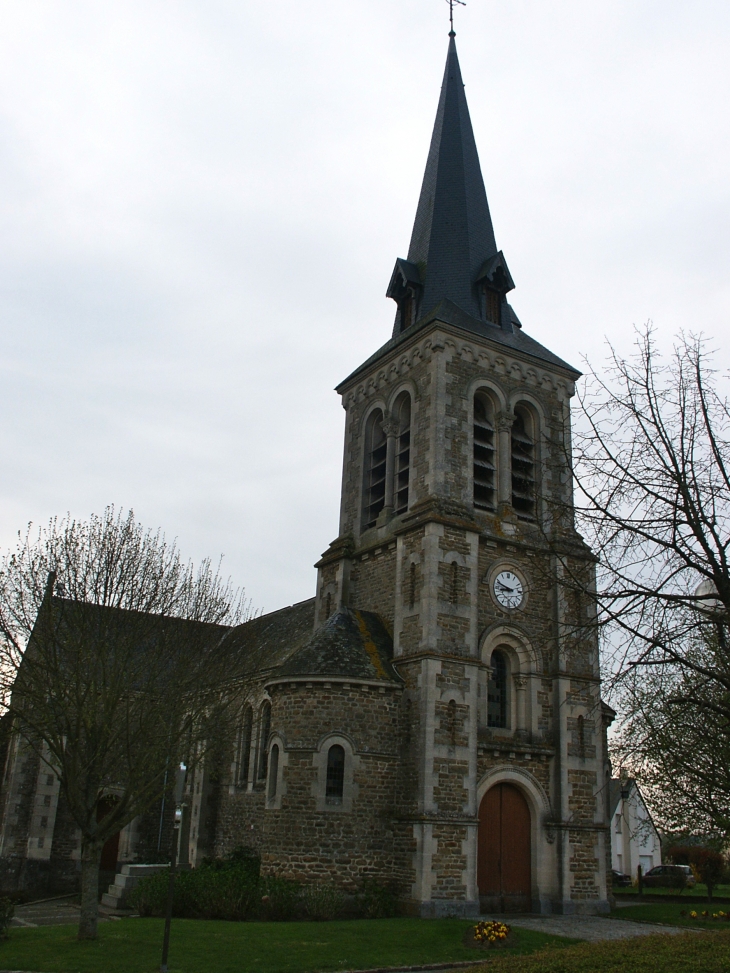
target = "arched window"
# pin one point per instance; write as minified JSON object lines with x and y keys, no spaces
{"x":484,"y":453}
{"x":244,"y":753}
{"x":264,"y":731}
{"x":493,"y":303}
{"x":497,"y":691}
{"x":273,"y":771}
{"x":374,"y":473}
{"x":335,"y":774}
{"x":402,"y":453}
{"x":523,"y":464}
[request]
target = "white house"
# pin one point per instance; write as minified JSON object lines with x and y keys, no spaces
{"x":634,"y":838}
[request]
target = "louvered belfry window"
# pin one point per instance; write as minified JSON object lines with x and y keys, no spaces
{"x":402,"y":454}
{"x":523,"y":464}
{"x":484,"y":453}
{"x":375,"y":463}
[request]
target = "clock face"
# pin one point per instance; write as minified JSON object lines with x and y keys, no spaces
{"x":508,"y":589}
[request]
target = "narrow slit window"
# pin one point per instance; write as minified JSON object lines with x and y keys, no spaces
{"x":335,"y":774}
{"x":264,"y":739}
{"x":375,"y":462}
{"x":452,"y":722}
{"x":402,"y":470}
{"x":484,"y":453}
{"x":523,"y":465}
{"x":497,"y":691}
{"x":454,"y":597}
{"x":244,"y":760}
{"x":273,"y":771}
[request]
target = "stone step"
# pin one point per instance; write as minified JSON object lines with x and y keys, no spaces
{"x":117,"y":896}
{"x":142,"y":870}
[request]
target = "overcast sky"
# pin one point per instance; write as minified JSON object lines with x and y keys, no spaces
{"x":202,"y":203}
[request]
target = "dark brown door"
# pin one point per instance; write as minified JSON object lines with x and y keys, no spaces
{"x":110,"y":851}
{"x":504,"y":874}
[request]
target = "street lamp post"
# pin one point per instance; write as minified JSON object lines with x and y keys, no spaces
{"x":179,"y":788}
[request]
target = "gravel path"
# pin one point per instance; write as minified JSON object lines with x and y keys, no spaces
{"x":591,"y":928}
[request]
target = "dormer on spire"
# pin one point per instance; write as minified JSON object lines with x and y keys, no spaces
{"x":453,"y":239}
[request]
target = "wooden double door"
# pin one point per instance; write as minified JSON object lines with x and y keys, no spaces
{"x":504,"y":871}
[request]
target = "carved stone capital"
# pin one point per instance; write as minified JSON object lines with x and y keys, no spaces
{"x":520,"y":680}
{"x":505,"y":421}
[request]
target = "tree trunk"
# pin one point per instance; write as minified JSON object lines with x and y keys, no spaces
{"x":90,"y":858}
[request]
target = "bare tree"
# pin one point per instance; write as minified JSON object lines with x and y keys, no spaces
{"x":111,"y":668}
{"x":652,"y":468}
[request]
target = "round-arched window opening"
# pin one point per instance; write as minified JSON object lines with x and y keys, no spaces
{"x":523,"y":463}
{"x":497,"y":691}
{"x":374,"y":471}
{"x":484,"y":453}
{"x":335,"y":775}
{"x":264,"y":731}
{"x":273,"y":771}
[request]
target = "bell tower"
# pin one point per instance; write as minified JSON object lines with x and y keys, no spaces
{"x":456,"y":528}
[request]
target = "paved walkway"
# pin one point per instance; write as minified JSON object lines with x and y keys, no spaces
{"x":591,"y":928}
{"x":52,"y":912}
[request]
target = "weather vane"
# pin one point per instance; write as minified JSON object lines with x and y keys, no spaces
{"x":462,"y":3}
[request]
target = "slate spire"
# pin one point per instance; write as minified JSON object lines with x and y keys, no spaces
{"x":452,"y":250}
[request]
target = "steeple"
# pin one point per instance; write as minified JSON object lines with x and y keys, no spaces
{"x":453,"y":254}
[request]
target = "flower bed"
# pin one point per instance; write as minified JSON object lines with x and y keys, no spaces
{"x":488,"y":934}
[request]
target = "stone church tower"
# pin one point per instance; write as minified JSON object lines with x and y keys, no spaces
{"x":431,"y":720}
{"x":456,"y":528}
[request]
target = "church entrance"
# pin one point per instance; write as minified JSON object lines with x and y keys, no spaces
{"x":110,"y":851}
{"x":504,"y":873}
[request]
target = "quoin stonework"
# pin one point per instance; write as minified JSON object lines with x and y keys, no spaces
{"x":431,"y":719}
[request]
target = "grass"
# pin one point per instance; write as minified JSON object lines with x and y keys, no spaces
{"x":199,"y":946}
{"x":648,"y":954}
{"x":670,"y":913}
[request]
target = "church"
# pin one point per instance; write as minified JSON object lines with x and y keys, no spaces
{"x":432,"y":718}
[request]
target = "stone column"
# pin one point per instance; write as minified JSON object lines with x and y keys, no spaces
{"x":520,"y":682}
{"x":505,"y":421}
{"x":390,"y":430}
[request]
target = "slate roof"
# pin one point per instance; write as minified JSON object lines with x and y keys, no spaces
{"x":267,"y":641}
{"x":351,"y":644}
{"x":453,"y":244}
{"x":449,"y":313}
{"x":452,"y":233}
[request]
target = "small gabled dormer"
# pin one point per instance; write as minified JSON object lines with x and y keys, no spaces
{"x":493,"y":283}
{"x":405,"y":288}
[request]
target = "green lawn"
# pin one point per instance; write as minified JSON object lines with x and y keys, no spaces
{"x":670,"y":913}
{"x":198,"y":946}
{"x":708,"y":953}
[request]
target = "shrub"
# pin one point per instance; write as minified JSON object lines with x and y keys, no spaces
{"x":7,"y":911}
{"x":377,"y":901}
{"x":279,"y":899}
{"x":321,"y":902}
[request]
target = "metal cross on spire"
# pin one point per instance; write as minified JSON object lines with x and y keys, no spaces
{"x":462,"y":3}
